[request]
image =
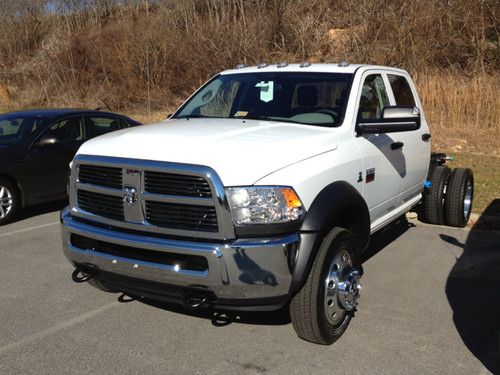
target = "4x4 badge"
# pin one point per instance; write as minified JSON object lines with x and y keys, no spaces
{"x":130,"y":195}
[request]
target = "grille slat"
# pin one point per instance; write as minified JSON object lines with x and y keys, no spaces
{"x":178,"y":216}
{"x":102,"y":176}
{"x":175,"y":184}
{"x":101,"y":205}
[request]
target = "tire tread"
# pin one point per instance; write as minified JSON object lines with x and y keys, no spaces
{"x":455,"y":197}
{"x":305,"y":304}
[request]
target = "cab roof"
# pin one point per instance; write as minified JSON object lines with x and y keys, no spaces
{"x":313,"y":67}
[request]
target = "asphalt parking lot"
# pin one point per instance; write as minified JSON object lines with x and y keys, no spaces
{"x":430,"y":304}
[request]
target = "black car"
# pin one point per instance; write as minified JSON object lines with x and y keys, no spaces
{"x":36,"y":148}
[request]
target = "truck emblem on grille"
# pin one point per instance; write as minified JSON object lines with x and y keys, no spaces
{"x":130,"y":195}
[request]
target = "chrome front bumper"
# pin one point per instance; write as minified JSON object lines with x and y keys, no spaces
{"x":241,"y":270}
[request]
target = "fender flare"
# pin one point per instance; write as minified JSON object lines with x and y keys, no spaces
{"x":324,"y":213}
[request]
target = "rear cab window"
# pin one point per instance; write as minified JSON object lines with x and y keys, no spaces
{"x":401,"y":90}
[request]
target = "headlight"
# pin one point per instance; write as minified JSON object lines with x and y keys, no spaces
{"x":264,"y":205}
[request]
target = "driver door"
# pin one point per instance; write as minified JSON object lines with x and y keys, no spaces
{"x":383,"y":167}
{"x":49,"y":163}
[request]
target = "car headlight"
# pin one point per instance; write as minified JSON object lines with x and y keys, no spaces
{"x":253,"y":205}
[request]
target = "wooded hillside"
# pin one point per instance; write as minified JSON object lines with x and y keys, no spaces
{"x":144,"y":57}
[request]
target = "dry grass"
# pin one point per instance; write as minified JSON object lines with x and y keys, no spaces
{"x":463,"y":111}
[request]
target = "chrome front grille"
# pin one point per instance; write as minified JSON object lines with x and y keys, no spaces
{"x":160,"y":197}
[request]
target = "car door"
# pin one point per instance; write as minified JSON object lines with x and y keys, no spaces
{"x":383,"y":167}
{"x":50,"y":155}
{"x":416,"y":147}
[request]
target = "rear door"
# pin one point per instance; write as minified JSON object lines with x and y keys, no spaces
{"x":383,"y":167}
{"x":49,"y":164}
{"x":416,"y":147}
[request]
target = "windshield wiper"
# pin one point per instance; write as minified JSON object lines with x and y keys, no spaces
{"x":195,"y":116}
{"x":279,"y":119}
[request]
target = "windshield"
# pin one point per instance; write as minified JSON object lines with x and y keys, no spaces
{"x":14,"y":128}
{"x":297,"y":97}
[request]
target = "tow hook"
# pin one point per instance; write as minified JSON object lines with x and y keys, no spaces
{"x":194,"y":302}
{"x":84,"y":272}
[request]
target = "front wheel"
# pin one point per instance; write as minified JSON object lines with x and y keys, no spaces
{"x":323,"y":308}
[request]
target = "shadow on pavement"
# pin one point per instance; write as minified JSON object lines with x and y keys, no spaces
{"x":39,"y":209}
{"x":385,"y":236}
{"x":473,"y":291}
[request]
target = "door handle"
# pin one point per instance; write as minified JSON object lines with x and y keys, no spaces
{"x":397,"y":145}
{"x":426,"y":137}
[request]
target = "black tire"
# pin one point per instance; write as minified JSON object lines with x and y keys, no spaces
{"x":307,"y":308}
{"x":8,"y":193}
{"x":98,"y":284}
{"x":459,"y":197}
{"x":434,"y":197}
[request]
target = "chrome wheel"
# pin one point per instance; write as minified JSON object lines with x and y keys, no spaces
{"x":6,"y":201}
{"x":467,"y":199}
{"x":342,"y":288}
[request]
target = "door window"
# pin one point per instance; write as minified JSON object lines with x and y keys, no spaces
{"x":373,"y":97}
{"x":68,"y":130}
{"x":401,"y":90}
{"x":101,"y":125}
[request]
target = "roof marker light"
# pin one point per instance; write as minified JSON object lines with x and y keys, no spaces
{"x":343,"y":64}
{"x":262,"y":65}
{"x":305,"y":64}
{"x":239,"y":66}
{"x":282,"y":64}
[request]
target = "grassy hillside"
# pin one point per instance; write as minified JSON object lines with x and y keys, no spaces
{"x":143,"y":57}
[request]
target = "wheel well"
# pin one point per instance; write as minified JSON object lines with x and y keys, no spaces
{"x":16,"y":184}
{"x":351,"y":218}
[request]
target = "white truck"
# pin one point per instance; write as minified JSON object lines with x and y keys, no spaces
{"x":259,"y":192}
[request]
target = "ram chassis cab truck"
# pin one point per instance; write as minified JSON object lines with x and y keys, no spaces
{"x":260,"y":192}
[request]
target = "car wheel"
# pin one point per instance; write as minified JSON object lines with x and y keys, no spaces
{"x":9,"y":200}
{"x":322,"y":309}
{"x":434,"y":196}
{"x":459,"y":197}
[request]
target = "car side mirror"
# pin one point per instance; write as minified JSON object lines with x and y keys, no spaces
{"x":47,"y":140}
{"x":396,"y":118}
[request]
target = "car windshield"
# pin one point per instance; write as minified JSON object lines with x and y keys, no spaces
{"x":297,"y":97}
{"x":15,"y":128}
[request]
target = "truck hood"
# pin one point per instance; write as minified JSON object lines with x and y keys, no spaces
{"x":240,"y":151}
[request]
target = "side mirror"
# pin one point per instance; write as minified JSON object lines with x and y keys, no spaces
{"x":46,"y":141}
{"x":394,"y":119}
